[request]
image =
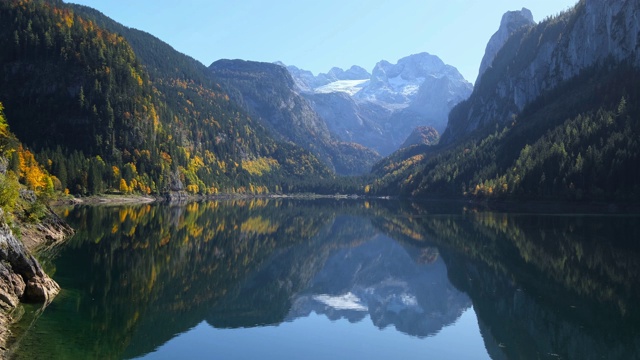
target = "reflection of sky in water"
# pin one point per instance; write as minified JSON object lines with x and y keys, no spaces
{"x":316,"y":337}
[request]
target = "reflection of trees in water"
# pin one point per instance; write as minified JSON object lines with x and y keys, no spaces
{"x":135,"y":276}
{"x":141,"y":274}
{"x":542,"y":285}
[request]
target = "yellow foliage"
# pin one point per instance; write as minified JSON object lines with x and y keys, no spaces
{"x":123,"y":186}
{"x":260,"y":166}
{"x":32,"y":175}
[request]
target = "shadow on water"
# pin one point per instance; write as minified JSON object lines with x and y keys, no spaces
{"x":542,"y":286}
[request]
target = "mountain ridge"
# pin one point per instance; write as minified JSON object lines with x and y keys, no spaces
{"x":384,"y":108}
{"x":268,"y":93}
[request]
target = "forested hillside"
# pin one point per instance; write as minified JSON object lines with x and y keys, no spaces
{"x":103,"y":115}
{"x":576,"y":140}
{"x":20,"y":173}
{"x":269,"y":94}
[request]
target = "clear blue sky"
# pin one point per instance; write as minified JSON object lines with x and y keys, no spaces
{"x":317,"y":35}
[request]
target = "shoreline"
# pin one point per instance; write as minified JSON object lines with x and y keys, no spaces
{"x":512,"y":206}
{"x":111,"y":199}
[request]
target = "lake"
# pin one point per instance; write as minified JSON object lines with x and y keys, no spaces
{"x":337,"y":279}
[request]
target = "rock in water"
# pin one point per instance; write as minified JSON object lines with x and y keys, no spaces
{"x":21,"y":276}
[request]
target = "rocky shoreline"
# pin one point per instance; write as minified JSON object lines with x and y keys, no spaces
{"x":21,"y":276}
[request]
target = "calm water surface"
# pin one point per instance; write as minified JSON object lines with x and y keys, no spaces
{"x":338,"y":279}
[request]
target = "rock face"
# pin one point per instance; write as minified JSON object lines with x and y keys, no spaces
{"x":537,"y":59}
{"x":21,"y":277}
{"x":511,"y":21}
{"x":269,"y":93}
{"x":349,"y":121}
{"x":384,"y":107}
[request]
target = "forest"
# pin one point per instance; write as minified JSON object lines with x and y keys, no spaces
{"x":99,"y":119}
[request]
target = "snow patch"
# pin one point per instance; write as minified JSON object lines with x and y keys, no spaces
{"x":350,"y":87}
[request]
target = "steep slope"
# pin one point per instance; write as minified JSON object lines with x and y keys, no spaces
{"x":538,"y":59}
{"x":23,"y":187}
{"x":105,"y":115}
{"x":387,"y":105}
{"x":422,"y":135}
{"x":554,"y":117}
{"x":511,"y":21}
{"x":268,"y":93}
{"x":347,"y":120}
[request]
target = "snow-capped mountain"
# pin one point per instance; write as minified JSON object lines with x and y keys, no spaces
{"x":384,"y":107}
{"x":307,"y":82}
{"x":397,"y":85}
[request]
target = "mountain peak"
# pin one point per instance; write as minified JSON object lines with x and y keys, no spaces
{"x":511,"y":21}
{"x":517,"y":16}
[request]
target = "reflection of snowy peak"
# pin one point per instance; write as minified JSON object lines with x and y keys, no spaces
{"x":381,"y":280}
{"x":389,"y":103}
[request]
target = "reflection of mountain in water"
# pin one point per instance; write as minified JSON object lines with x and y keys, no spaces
{"x":381,"y":279}
{"x":135,"y":277}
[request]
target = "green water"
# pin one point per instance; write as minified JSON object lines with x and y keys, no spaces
{"x":338,"y":279}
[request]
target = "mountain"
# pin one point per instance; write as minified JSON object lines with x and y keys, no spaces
{"x":397,"y":85}
{"x":537,"y":60}
{"x":511,"y":21}
{"x":422,"y":135}
{"x":267,"y":92}
{"x":348,"y":121}
{"x":307,"y":82}
{"x":387,"y":105}
{"x":107,"y":107}
{"x":552,"y":118}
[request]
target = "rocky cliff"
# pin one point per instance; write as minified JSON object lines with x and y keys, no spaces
{"x":21,"y":276}
{"x":537,"y":59}
{"x":511,"y":21}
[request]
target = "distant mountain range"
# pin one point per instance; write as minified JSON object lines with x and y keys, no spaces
{"x":382,"y":108}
